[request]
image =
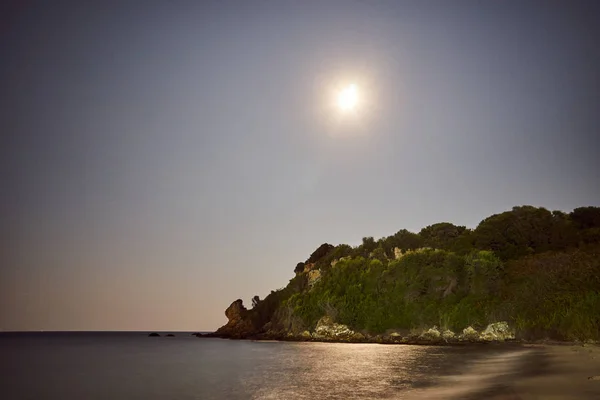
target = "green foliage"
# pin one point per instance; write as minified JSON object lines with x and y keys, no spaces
{"x":365,"y":248}
{"x":336,"y":253}
{"x":265,"y":310}
{"x":319,"y":253}
{"x":369,"y":244}
{"x":556,"y":294}
{"x":299,"y":267}
{"x":586,"y":217}
{"x":483,"y":271}
{"x":523,"y":231}
{"x":405,"y":293}
{"x":403,"y":240}
{"x":442,"y":235}
{"x":379,"y":254}
{"x":587,"y":221}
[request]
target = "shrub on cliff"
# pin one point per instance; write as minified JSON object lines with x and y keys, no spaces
{"x":555,"y":294}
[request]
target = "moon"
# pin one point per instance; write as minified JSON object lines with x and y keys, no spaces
{"x":347,"y":98}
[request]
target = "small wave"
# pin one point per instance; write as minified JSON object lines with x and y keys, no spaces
{"x":488,"y":378}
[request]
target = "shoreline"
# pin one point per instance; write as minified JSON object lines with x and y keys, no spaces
{"x":572,"y":372}
{"x":381,"y":339}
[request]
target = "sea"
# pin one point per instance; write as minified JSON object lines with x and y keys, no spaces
{"x":131,"y":365}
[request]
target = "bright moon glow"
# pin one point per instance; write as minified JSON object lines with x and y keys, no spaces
{"x":348,"y":98}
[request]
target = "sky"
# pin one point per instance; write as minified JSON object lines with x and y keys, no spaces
{"x":160,"y":159}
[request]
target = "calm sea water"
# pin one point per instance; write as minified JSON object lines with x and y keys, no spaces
{"x":134,"y":366}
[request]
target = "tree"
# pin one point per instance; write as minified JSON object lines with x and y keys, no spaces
{"x":299,"y":267}
{"x":404,"y":240}
{"x":379,"y":254}
{"x":523,"y":230}
{"x":368,"y":245}
{"x":442,"y":235}
{"x":587,"y":221}
{"x":586,"y":217}
{"x":319,"y":253}
{"x":255,"y":301}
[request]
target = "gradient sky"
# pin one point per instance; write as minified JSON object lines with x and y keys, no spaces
{"x":162,"y":159}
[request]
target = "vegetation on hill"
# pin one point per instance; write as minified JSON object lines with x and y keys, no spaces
{"x":539,"y":270}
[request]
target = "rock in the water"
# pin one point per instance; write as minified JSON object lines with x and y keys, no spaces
{"x":170,"y":335}
{"x":594,"y":378}
{"x":239,"y":325}
{"x":153,"y":334}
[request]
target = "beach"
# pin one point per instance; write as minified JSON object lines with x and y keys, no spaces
{"x":566,"y":373}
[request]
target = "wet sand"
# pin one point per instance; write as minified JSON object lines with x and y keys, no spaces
{"x":562,"y":372}
{"x":523,"y":372}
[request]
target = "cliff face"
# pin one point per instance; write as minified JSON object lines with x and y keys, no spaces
{"x":239,"y":324}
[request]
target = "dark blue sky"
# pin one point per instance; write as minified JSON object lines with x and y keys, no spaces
{"x":161,"y":159}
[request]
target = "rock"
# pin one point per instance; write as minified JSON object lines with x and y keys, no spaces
{"x":153,"y":334}
{"x":170,"y":335}
{"x":413,"y":334}
{"x":397,"y":253}
{"x":358,"y":337}
{"x":308,"y":267}
{"x":448,"y":334}
{"x":239,"y":325}
{"x":392,"y":337}
{"x":236,"y":310}
{"x":305,"y":335}
{"x":327,"y":329}
{"x":499,"y":331}
{"x":469,"y":334}
{"x":594,"y":378}
{"x":313,"y":277}
{"x":431,"y":334}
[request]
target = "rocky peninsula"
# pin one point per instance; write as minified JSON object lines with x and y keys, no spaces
{"x":525,"y":275}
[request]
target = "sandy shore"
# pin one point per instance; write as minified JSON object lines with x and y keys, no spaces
{"x":565,"y":373}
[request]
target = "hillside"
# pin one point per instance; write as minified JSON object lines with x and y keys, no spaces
{"x":528,"y":273}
